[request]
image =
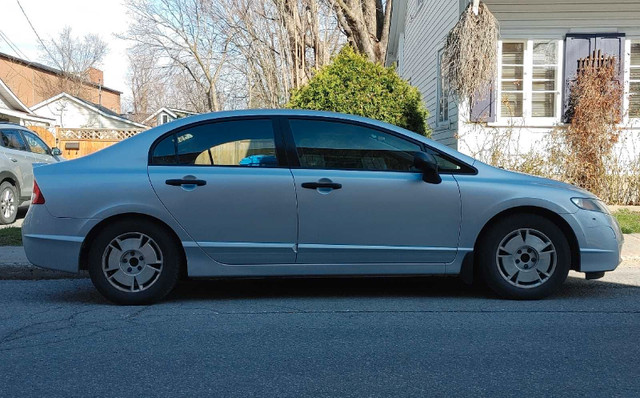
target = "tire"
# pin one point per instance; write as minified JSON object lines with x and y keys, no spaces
{"x":9,"y":202}
{"x":524,"y":257}
{"x":134,"y":262}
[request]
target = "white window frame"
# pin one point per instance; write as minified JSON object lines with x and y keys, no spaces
{"x":164,"y":118}
{"x":628,"y":119}
{"x":441,"y":122}
{"x":527,"y":92}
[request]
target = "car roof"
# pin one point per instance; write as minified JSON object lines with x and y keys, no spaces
{"x":12,"y":125}
{"x":310,"y":113}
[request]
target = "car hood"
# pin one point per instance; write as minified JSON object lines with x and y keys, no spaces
{"x":540,"y":181}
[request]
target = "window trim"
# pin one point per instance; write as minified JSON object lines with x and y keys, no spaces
{"x":527,"y":80}
{"x":634,"y":120}
{"x":440,"y":93}
{"x":292,"y":152}
{"x":277,"y":139}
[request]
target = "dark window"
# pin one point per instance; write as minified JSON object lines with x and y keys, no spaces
{"x":447,"y":165}
{"x":36,"y":144}
{"x":336,"y":145}
{"x":230,"y":143}
{"x":12,"y":139}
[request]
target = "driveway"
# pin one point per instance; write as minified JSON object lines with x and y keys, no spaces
{"x":325,"y":337}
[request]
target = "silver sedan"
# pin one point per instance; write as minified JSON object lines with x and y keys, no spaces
{"x":297,"y":193}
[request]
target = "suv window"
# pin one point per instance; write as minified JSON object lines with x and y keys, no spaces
{"x":12,"y":139}
{"x":335,"y":145}
{"x":36,"y":144}
{"x":247,"y":143}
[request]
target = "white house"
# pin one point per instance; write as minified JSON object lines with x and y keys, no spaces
{"x":166,"y":115}
{"x":14,"y":111}
{"x":69,"y":111}
{"x":540,"y":43}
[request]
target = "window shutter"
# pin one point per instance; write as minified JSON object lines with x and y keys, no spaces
{"x":484,"y":105}
{"x":613,"y":45}
{"x":575,"y":47}
{"x":578,"y":46}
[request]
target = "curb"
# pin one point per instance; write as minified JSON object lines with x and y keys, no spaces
{"x":17,"y":271}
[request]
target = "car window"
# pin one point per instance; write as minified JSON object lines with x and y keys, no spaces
{"x":445,"y":164}
{"x":12,"y":139}
{"x":335,"y":145}
{"x":36,"y":144}
{"x":248,"y":143}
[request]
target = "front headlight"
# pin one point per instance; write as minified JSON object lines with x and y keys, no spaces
{"x":591,"y":204}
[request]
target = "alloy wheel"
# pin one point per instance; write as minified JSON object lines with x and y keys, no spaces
{"x":526,"y":258}
{"x":8,"y":205}
{"x":132,"y":262}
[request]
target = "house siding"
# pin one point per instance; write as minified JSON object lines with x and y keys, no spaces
{"x":430,"y":20}
{"x":554,"y":18}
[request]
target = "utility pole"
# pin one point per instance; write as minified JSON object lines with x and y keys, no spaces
{"x":476,"y":6}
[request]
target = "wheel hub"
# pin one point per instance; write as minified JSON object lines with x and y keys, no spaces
{"x":526,"y":258}
{"x":132,"y":262}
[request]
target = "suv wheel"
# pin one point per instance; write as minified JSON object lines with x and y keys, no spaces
{"x":8,"y":203}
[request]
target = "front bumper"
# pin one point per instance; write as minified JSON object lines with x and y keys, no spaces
{"x":600,"y":240}
{"x":53,"y":242}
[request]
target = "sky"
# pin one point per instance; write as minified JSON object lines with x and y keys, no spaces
{"x":103,"y":17}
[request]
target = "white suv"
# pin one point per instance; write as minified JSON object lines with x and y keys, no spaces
{"x":20,"y":148}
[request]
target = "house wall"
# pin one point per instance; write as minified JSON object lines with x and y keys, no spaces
{"x":552,"y":19}
{"x":33,"y":86}
{"x":69,"y":114}
{"x":426,"y":26}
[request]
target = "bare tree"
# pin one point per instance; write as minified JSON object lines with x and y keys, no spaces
{"x":188,"y":34}
{"x":366,"y":24}
{"x":74,"y":57}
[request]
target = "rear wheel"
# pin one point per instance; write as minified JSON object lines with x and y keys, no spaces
{"x":524,"y":256}
{"x":134,"y":262}
{"x":9,"y":201}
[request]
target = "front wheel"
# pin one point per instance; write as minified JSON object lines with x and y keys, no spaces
{"x":524,"y":256}
{"x":134,"y":262}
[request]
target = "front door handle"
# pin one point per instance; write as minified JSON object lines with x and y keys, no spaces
{"x":316,"y":185}
{"x":13,"y":160}
{"x":179,"y":182}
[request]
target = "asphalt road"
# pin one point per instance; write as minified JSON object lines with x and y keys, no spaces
{"x":424,"y":337}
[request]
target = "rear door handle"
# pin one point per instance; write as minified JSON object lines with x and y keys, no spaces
{"x":13,"y":160}
{"x":180,"y":182}
{"x":316,"y":185}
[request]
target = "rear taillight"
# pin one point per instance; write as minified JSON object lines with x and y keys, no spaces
{"x":37,"y":198}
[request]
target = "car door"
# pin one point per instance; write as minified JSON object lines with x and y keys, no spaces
{"x":16,"y":152}
{"x":228,"y":185}
{"x":360,"y":200}
{"x":39,"y":151}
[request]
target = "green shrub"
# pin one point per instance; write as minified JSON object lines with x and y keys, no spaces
{"x":352,"y":84}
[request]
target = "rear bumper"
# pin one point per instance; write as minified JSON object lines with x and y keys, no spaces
{"x":52,"y":242}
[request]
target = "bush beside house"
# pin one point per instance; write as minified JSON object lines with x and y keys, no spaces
{"x":352,"y":84}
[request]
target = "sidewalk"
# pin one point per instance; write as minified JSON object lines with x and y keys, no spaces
{"x":14,"y":263}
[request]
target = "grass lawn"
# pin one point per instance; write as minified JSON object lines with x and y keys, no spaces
{"x":629,"y":221}
{"x":11,"y":236}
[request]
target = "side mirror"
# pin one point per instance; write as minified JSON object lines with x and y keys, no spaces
{"x":56,"y":152}
{"x":427,"y":163}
